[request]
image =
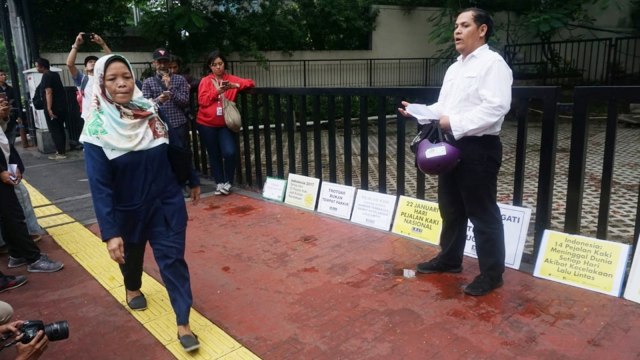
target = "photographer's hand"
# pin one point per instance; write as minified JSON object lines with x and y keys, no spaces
{"x":34,"y":349}
{"x":116,"y":249}
{"x":11,"y":327}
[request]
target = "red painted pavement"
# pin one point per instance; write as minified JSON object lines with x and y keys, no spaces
{"x":295,"y":284}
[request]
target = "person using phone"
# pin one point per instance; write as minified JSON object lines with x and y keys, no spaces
{"x":219,"y":140}
{"x":171,"y":93}
{"x":84,"y":80}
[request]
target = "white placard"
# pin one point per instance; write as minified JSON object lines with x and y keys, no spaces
{"x":274,"y":189}
{"x":302,"y":191}
{"x":336,"y":200}
{"x":515,"y":221}
{"x":584,"y":262}
{"x":373,"y":209}
{"x":632,"y":291}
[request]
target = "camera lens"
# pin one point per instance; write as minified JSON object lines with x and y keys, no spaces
{"x":58,"y":330}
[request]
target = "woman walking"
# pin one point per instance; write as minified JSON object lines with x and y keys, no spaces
{"x":136,"y":195}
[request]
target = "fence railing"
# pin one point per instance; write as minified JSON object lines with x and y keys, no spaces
{"x":575,"y":62}
{"x":351,"y":136}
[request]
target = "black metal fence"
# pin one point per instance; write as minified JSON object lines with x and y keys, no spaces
{"x":351,"y":136}
{"x":595,"y":61}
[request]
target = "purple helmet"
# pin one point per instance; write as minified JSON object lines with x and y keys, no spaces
{"x":438,"y":158}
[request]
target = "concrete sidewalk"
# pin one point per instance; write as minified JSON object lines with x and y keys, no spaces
{"x":293,"y":284}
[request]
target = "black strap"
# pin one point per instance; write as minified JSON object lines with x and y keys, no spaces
{"x":85,"y":81}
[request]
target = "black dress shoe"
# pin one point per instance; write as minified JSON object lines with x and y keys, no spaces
{"x":482,"y":285}
{"x":436,"y":266}
{"x":189,"y":342}
{"x":138,"y":303}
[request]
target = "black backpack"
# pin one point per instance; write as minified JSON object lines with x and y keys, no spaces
{"x":38,"y":99}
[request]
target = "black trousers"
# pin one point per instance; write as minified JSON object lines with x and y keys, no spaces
{"x":56,"y":128}
{"x":468,"y":192}
{"x":14,"y":227}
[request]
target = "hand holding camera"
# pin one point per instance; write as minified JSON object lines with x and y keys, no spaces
{"x":32,"y":336}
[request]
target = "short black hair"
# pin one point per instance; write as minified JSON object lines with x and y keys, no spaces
{"x":212,"y":56}
{"x":89,"y":58}
{"x":43,"y":62}
{"x":481,"y":17}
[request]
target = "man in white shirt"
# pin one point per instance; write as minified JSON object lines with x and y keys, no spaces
{"x":84,"y":81}
{"x":475,"y":97}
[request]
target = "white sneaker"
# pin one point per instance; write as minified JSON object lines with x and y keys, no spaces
{"x":57,"y":157}
{"x":218,"y":190}
{"x":226,"y":188}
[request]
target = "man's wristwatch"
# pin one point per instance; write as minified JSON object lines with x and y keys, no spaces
{"x":74,"y":46}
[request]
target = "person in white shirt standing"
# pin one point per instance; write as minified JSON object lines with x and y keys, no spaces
{"x":473,"y":101}
{"x":84,"y":80}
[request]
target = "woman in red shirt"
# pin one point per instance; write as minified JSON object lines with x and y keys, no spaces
{"x":219,"y":140}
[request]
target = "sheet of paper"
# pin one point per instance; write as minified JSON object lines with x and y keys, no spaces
{"x":421,"y":112}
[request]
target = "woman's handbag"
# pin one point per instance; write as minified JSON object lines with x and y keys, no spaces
{"x":232,"y":117}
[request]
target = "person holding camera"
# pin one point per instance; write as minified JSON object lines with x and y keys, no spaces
{"x":29,"y":351}
{"x":219,"y":140}
{"x":84,"y":80}
{"x":136,"y":195}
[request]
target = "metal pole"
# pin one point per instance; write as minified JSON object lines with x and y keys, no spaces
{"x":11,"y":59}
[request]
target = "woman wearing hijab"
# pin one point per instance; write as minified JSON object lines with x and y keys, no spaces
{"x":219,"y":140}
{"x":136,"y":196}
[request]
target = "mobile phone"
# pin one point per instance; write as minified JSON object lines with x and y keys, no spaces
{"x":3,"y":96}
{"x":225,"y":83}
{"x":87,"y":35}
{"x":167,"y":93}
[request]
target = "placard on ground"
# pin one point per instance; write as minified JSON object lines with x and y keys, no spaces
{"x":373,"y":209}
{"x":515,"y":221}
{"x":632,"y":292}
{"x":418,"y":219}
{"x":588,"y":263}
{"x":302,"y":191}
{"x":274,"y":189}
{"x":336,"y":200}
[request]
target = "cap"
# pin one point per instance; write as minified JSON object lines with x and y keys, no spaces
{"x":161,"y":54}
{"x":89,"y":58}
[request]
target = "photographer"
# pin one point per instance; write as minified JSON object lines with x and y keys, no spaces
{"x":31,"y":351}
{"x":84,"y":80}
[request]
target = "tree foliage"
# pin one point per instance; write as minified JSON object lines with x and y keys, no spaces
{"x":195,"y":27}
{"x":56,"y":23}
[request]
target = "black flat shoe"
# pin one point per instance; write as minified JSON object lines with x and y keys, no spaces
{"x":189,"y":342}
{"x":138,"y":303}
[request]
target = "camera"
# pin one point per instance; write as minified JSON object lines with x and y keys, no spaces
{"x":54,"y":331}
{"x":87,"y":35}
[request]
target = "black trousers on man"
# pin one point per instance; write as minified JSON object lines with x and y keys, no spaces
{"x":56,"y":128}
{"x":469,"y":192}
{"x":14,"y":227}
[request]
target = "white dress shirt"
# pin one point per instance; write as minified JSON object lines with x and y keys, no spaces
{"x":475,"y":94}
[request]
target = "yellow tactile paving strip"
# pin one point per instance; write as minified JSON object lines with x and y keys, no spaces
{"x":159,"y":319}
